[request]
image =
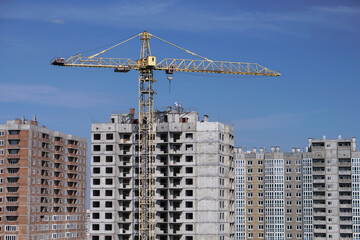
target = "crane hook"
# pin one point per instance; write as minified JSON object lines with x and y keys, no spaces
{"x":170,"y":78}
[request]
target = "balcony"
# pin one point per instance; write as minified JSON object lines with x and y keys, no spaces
{"x":59,"y":149}
{"x":13,"y":171}
{"x":12,"y":200}
{"x":72,"y":144}
{"x":72,"y":168}
{"x":71,"y":192}
{"x":73,"y":159}
{"x":12,"y":180}
{"x":13,"y":134}
{"x":12,"y":191}
{"x":72,"y":176}
{"x":72,"y":184}
{"x":11,"y":219}
{"x":59,"y":141}
{"x":11,"y":209}
{"x":13,"y":161}
{"x":45,"y":164}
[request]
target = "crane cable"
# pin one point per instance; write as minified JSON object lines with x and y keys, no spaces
{"x":97,"y":54}
{"x":180,"y":48}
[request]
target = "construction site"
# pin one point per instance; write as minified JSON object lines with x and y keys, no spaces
{"x":153,"y":175}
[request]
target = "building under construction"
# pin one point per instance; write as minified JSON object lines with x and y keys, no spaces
{"x":194,"y":177}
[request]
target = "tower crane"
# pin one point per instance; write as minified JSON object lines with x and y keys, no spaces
{"x":146,"y":65}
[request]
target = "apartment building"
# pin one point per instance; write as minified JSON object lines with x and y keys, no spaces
{"x":42,"y":183}
{"x":311,"y":195}
{"x":268,"y":194}
{"x":194,"y":171}
{"x":333,"y":169}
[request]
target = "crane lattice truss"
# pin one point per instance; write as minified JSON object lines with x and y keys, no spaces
{"x":146,"y":64}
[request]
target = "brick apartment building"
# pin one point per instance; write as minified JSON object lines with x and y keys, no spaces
{"x":42,"y":183}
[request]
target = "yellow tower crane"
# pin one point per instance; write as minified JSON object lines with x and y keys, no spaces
{"x":146,"y":64}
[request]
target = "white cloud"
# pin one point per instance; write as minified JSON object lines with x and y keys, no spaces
{"x":56,"y":21}
{"x":339,"y":10}
{"x":273,"y":121}
{"x":172,"y":14}
{"x":48,"y":95}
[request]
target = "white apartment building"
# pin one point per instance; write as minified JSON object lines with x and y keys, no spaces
{"x":194,"y":188}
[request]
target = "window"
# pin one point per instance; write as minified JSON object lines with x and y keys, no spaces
{"x":109,"y":147}
{"x":97,"y":136}
{"x":109,"y":170}
{"x":2,"y":133}
{"x":96,"y":159}
{"x":96,"y":193}
{"x":189,"y":135}
{"x":96,"y":215}
{"x":109,"y":158}
{"x":108,"y":215}
{"x":109,"y":181}
{"x":109,"y":136}
{"x":189,"y":170}
{"x":189,"y":158}
{"x":188,"y":227}
{"x":96,"y":148}
{"x":95,"y":238}
{"x":1,"y":142}
{"x":1,"y":151}
{"x":189,"y":181}
{"x":108,"y":238}
{"x":108,"y":193}
{"x":188,"y":216}
{"x":11,"y":237}
{"x":189,"y":204}
{"x":189,"y":192}
{"x":96,"y":181}
{"x":95,"y":227}
{"x":96,"y":170}
{"x":108,"y":204}
{"x":188,"y":147}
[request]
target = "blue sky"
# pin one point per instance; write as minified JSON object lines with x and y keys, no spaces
{"x":314,"y":44}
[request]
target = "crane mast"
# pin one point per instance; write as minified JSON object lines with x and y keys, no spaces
{"x":146,"y":139}
{"x":146,"y":64}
